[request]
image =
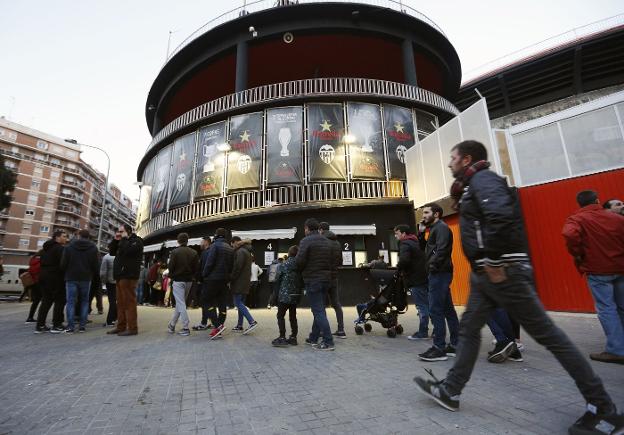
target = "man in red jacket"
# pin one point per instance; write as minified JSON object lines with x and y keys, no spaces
{"x":595,"y":238}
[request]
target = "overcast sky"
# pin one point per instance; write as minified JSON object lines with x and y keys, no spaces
{"x":82,"y":69}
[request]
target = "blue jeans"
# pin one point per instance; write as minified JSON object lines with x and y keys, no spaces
{"x":242,"y":310}
{"x":74,"y":289}
{"x":441,"y":309}
{"x":139,"y":292}
{"x":608,"y":293}
{"x":500,"y":325}
{"x":421,"y":300}
{"x":316,"y":292}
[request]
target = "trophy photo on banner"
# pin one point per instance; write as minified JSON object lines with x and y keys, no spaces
{"x":284,"y":137}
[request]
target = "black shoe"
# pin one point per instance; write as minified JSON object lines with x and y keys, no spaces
{"x":30,"y":321}
{"x":501,"y":352}
{"x":292,"y":341}
{"x":69,"y":330}
{"x":437,"y":391}
{"x":324,"y":346}
{"x":42,"y":330}
{"x":450,"y":350}
{"x":433,"y":354}
{"x":340,"y":334}
{"x":280,"y":342}
{"x":82,"y":329}
{"x":57,"y":330}
{"x":310,"y":342}
{"x":515,"y":356}
{"x":200,"y":327}
{"x":591,"y":423}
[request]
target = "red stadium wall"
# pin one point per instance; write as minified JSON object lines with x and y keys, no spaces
{"x":545,"y":208}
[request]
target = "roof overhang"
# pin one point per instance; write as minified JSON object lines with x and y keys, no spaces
{"x":354,"y":230}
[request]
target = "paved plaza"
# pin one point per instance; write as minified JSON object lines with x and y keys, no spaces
{"x":156,"y":383}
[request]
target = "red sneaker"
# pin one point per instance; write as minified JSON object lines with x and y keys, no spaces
{"x":216,"y":332}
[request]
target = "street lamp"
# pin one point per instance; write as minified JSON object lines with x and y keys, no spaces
{"x":73,"y":141}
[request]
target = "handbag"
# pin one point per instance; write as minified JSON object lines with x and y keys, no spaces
{"x":27,"y":279}
{"x":157,"y":285}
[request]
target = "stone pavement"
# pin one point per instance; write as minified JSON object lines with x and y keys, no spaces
{"x":156,"y":383}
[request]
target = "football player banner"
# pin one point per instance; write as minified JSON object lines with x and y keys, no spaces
{"x":400,"y":137}
{"x":146,"y":192}
{"x":161,"y":180}
{"x":284,"y":145}
{"x":210,"y":161}
{"x":181,"y":170}
{"x":366,"y":151}
{"x":245,"y":155}
{"x":326,"y":147}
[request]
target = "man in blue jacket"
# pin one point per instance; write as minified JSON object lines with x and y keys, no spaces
{"x":80,"y":263}
{"x":216,"y":275}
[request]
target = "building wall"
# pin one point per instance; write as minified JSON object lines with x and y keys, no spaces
{"x":545,"y":208}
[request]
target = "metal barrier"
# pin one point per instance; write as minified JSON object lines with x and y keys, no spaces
{"x":242,"y":202}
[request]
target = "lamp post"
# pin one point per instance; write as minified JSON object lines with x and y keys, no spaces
{"x":73,"y":141}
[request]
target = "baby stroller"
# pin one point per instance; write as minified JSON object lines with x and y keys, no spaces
{"x":385,"y":308}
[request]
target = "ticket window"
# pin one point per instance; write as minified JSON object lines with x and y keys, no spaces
{"x":359,"y":246}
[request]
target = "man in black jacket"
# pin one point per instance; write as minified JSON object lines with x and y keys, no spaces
{"x":316,"y":260}
{"x":334,"y":298}
{"x":494,"y":242}
{"x":411,"y":266}
{"x":80,"y":263}
{"x":127,"y":248}
{"x":438,"y":249}
{"x":205,"y":246}
{"x":52,"y":284}
{"x":216,"y":275}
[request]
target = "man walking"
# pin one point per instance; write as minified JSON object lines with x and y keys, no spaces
{"x":216,"y":275}
{"x":438,"y":249}
{"x":203,"y":324}
{"x":316,"y":260}
{"x":182,"y":269}
{"x":128,"y":252}
{"x":595,"y":239}
{"x":240,"y":281}
{"x":334,"y":299}
{"x":411,"y":266}
{"x":52,"y":284}
{"x":106,"y":276}
{"x":493,"y":240}
{"x":80,"y":263}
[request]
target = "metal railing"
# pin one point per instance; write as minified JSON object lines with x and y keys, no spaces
{"x":71,"y":196}
{"x":543,"y":47}
{"x":67,"y":223}
{"x":357,"y":87}
{"x":68,"y":209}
{"x":261,"y":5}
{"x":248,"y":202}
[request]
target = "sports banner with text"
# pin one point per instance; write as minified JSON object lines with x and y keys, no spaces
{"x":326,"y":158}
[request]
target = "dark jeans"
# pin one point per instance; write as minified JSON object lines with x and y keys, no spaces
{"x":441,"y":309}
{"x":292,"y":316}
{"x":420,"y":295}
{"x":96,"y":292}
{"x":216,"y":295}
{"x":111,"y":291}
{"x":35,"y":296}
{"x":517,"y":296}
{"x":335,"y":303}
{"x":317,"y":291}
{"x":253,"y":295}
{"x":500,"y":326}
{"x":53,"y":293}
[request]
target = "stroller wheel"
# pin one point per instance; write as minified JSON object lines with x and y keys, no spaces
{"x":368,"y":327}
{"x":359,"y":330}
{"x":399,"y":329}
{"x":391,"y":332}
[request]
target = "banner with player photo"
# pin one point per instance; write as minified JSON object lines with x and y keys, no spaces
{"x":284,"y":145}
{"x":161,"y":180}
{"x":245,"y":155}
{"x":210,"y":160}
{"x":146,"y":192}
{"x":366,"y":150}
{"x":181,"y":176}
{"x":399,"y":126}
{"x":326,"y":158}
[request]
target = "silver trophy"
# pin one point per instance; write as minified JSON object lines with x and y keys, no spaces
{"x":208,"y":153}
{"x":284,"y":137}
{"x":367,"y":131}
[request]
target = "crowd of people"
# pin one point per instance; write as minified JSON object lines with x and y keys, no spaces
{"x":502,"y":290}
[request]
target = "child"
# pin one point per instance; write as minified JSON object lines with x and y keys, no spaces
{"x":290,"y":287}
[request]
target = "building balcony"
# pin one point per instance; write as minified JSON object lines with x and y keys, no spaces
{"x":68,"y":209}
{"x":67,"y":223}
{"x":73,"y":184}
{"x":72,"y":197}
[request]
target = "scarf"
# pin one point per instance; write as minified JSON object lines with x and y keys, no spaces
{"x":457,"y":189}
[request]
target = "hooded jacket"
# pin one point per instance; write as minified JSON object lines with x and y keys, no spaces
{"x":79,"y":260}
{"x":595,"y":238}
{"x":128,"y":253}
{"x":411,"y":262}
{"x":51,"y":262}
{"x":336,"y":252}
{"x":240,"y":279}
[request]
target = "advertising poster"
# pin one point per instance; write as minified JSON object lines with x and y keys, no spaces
{"x":146,"y":192}
{"x":245,"y":155}
{"x":210,"y":161}
{"x":326,"y":146}
{"x":182,"y":170}
{"x":161,"y":181}
{"x":366,"y":150}
{"x":400,"y":137}
{"x":284,"y":145}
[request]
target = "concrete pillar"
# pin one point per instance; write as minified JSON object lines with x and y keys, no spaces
{"x":409,"y":66}
{"x":241,"y":66}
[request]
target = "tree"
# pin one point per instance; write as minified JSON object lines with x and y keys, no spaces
{"x":8,"y":179}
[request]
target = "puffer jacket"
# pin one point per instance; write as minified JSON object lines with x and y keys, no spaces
{"x":51,"y":262}
{"x":240,"y":279}
{"x":80,"y":260}
{"x":411,"y":263}
{"x":106,"y":269}
{"x":336,"y":252}
{"x":438,"y":248}
{"x":128,"y":255}
{"x":289,"y":282}
{"x":316,"y":258}
{"x":490,"y":222}
{"x":219,"y":260}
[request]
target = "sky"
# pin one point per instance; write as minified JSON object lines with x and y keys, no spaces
{"x":82,"y":69}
